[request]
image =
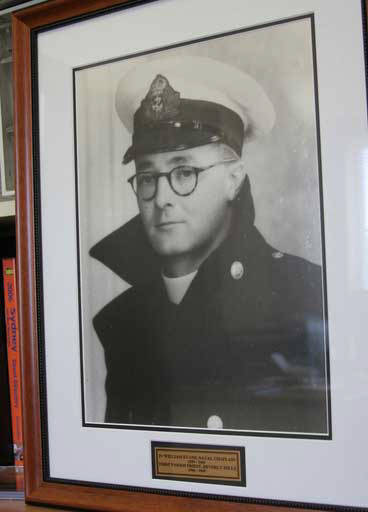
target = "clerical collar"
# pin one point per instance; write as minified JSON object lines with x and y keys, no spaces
{"x":177,"y":287}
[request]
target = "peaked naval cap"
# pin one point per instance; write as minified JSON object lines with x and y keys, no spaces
{"x":175,"y":104}
{"x":165,"y":122}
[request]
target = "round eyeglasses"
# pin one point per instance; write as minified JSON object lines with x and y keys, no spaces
{"x":183,"y":180}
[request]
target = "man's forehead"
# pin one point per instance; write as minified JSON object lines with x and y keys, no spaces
{"x":197,"y":155}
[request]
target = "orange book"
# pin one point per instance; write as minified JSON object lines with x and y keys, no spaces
{"x":12,"y":336}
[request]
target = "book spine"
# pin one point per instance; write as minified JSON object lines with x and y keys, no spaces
{"x":6,"y":441}
{"x":12,"y":336}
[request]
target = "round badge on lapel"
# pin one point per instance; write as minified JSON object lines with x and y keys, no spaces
{"x":237,"y":270}
{"x":215,"y":421}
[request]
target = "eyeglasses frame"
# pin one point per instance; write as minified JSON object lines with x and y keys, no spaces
{"x":167,"y":175}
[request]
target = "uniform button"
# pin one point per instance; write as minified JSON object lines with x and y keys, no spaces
{"x":237,"y":270}
{"x":215,"y":422}
{"x":277,"y":255}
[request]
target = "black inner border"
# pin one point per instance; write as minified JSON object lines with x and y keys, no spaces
{"x":39,"y":280}
{"x":365,"y":43}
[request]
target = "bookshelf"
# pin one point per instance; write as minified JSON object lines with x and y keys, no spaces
{"x":7,"y":203}
{"x":11,"y":478}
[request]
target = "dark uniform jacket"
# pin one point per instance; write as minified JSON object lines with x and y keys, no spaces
{"x":246,"y":344}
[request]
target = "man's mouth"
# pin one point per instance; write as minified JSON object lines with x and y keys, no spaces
{"x":168,"y":223}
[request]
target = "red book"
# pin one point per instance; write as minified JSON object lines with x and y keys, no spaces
{"x":12,"y":336}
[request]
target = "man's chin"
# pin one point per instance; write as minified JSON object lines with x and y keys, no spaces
{"x":168,"y":250}
{"x":168,"y":243}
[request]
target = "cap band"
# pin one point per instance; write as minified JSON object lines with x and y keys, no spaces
{"x":191,"y":123}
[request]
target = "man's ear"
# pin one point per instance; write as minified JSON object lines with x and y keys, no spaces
{"x":236,"y":176}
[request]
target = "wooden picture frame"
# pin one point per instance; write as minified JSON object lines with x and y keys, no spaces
{"x":93,"y":494}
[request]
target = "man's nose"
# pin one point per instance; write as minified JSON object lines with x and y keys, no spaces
{"x":164,"y":193}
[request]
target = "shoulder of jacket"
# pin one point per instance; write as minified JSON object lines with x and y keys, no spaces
{"x":294,"y":266}
{"x":268,"y":260}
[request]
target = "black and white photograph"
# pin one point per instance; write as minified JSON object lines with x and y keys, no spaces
{"x":202,"y":289}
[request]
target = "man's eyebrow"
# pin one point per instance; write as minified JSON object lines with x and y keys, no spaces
{"x":144,"y":165}
{"x":147,"y":165}
{"x":177,"y":160}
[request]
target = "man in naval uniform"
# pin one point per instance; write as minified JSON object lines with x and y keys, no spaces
{"x":218,"y":330}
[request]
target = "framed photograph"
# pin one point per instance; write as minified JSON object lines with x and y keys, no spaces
{"x":192,"y":245}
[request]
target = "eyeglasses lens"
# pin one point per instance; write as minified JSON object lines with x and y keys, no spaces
{"x":145,"y":185}
{"x":182,"y":180}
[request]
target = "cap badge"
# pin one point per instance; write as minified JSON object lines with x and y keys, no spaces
{"x":161,"y":102}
